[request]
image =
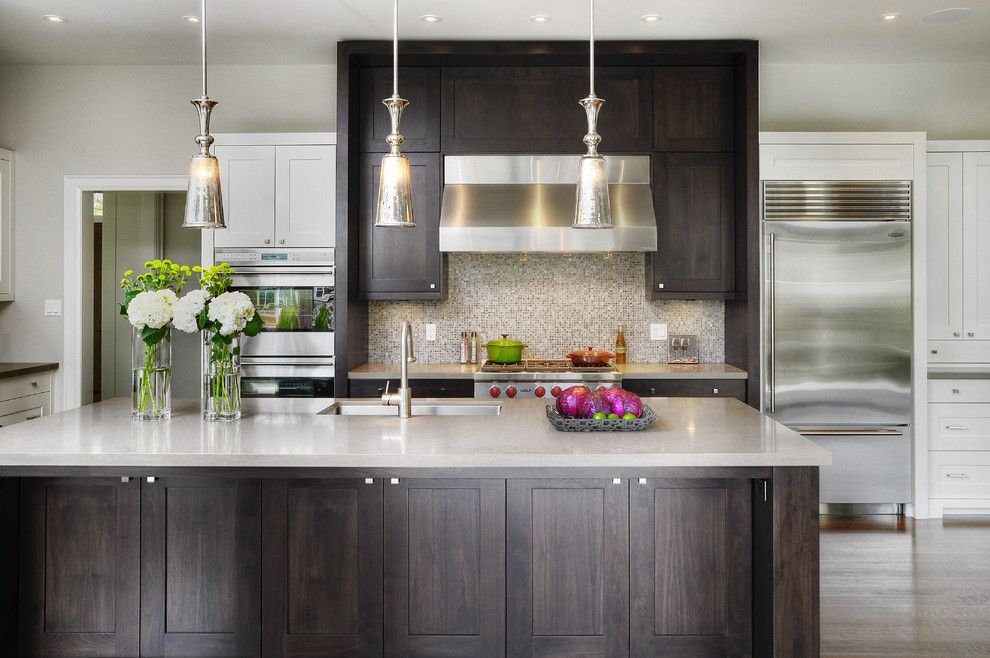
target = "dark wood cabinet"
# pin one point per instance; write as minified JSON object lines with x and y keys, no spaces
{"x":80,"y":591}
{"x":534,"y":109}
{"x":689,"y":562}
{"x":687,"y":388}
{"x":568,"y":567}
{"x":200,"y":567}
{"x":402,"y":263}
{"x":422,"y":388}
{"x":445,"y":568}
{"x":693,"y":197}
{"x":420,"y":119}
{"x":322,"y":583}
{"x":694,"y":108}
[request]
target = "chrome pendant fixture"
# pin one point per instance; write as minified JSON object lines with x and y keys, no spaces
{"x":204,"y":205}
{"x":592,"y":207}
{"x":395,"y":207}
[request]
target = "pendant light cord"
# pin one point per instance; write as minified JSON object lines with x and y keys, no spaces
{"x":202,"y":32}
{"x":395,"y":48}
{"x":591,"y":47}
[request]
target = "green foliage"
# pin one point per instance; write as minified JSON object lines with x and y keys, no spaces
{"x":152,"y":336}
{"x":321,"y":322}
{"x":254,"y":325}
{"x":159,"y":275}
{"x":217,"y":279}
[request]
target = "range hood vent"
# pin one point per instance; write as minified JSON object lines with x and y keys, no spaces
{"x":525,"y":203}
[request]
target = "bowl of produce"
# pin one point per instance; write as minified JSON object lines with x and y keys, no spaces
{"x":504,"y":350}
{"x":579,"y":409}
{"x":590,"y":357}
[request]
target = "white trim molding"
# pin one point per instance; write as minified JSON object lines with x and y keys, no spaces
{"x":68,"y":394}
{"x":274,"y":139}
{"x":958,"y":145}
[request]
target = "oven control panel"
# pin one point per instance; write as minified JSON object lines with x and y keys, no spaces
{"x":275,"y":257}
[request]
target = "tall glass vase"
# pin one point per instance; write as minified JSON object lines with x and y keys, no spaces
{"x":221,"y":378}
{"x":151,"y":378}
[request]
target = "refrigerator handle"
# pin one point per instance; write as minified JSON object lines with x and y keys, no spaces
{"x":849,"y":431}
{"x":772,"y":312}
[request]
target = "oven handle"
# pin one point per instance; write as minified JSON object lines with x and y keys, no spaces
{"x":282,"y":371}
{"x":273,"y":280}
{"x":281,"y":269}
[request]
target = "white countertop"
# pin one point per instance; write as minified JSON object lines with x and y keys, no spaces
{"x":629,"y":371}
{"x":690,"y":432}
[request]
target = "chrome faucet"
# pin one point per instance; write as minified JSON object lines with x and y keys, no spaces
{"x":402,"y":398}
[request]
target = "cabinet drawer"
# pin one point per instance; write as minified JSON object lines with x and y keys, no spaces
{"x":959,"y":390}
{"x":26,"y":408}
{"x":422,"y":388}
{"x":959,"y":474}
{"x":687,"y":388}
{"x":959,"y":426}
{"x":23,"y":385}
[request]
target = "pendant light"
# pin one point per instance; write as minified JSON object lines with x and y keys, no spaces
{"x":395,"y":208}
{"x":592,"y":207}
{"x":204,"y":206}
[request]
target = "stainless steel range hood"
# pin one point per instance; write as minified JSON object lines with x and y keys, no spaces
{"x":525,"y":203}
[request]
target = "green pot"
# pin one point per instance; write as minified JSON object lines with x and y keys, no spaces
{"x":504,"y":350}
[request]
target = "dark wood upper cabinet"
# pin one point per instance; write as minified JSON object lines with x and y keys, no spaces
{"x":200,"y":567}
{"x":693,"y":197}
{"x":322,"y":582}
{"x":694,"y":109}
{"x":80,"y":562}
{"x":689,"y":563}
{"x":402,"y":263}
{"x":420,"y":119}
{"x":568,"y":568}
{"x":535,"y":109}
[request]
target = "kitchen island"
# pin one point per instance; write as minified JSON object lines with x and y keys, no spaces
{"x":453,"y":535}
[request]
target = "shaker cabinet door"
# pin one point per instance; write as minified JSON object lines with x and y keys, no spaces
{"x":694,"y":108}
{"x":944,"y":246}
{"x":420,"y":119}
{"x":976,"y":252}
{"x":304,"y":196}
{"x":247,"y":181}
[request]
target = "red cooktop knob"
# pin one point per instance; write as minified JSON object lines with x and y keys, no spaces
{"x":494,"y":391}
{"x":540,"y":391}
{"x":601,"y":388}
{"x":555,"y":391}
{"x":510,"y":391}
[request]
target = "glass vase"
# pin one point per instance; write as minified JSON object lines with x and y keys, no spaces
{"x":221,"y":378}
{"x":151,"y":378}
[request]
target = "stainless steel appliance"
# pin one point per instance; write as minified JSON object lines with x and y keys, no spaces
{"x":538,"y":378}
{"x":293,"y":292}
{"x":837,"y":326}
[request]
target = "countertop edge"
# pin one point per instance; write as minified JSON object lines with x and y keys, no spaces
{"x":17,"y":369}
{"x":642,"y":372}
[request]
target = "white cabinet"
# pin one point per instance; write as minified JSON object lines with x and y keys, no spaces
{"x":276,"y":194}
{"x":958,"y":446}
{"x":6,"y":226}
{"x":25,"y":397}
{"x":976,"y":241}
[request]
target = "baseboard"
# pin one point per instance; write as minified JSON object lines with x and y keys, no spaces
{"x":940,"y":507}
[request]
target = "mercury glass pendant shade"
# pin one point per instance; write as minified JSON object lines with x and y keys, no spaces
{"x":395,"y":207}
{"x":204,"y":203}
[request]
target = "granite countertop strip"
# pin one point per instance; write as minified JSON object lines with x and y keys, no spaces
{"x":691,"y":432}
{"x":629,"y":371}
{"x":15,"y":369}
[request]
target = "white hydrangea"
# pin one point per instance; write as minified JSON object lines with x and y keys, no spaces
{"x":187,"y":309}
{"x":232,"y":310}
{"x":151,"y":308}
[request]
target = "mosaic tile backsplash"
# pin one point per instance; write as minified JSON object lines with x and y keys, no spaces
{"x":553,"y":303}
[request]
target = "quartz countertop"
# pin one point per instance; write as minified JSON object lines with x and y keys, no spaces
{"x":15,"y":369}
{"x":691,"y":432}
{"x":629,"y":371}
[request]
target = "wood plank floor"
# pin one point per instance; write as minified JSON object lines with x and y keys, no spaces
{"x":897,"y":587}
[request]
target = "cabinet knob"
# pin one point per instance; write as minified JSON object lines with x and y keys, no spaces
{"x":34,"y":384}
{"x":970,"y":333}
{"x":268,"y":241}
{"x":433,"y":286}
{"x":956,"y":334}
{"x":281,"y":240}
{"x":660,"y":286}
{"x":715,"y":391}
{"x":934,"y":351}
{"x":955,"y":391}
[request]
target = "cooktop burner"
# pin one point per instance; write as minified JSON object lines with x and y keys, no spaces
{"x":542,"y":365}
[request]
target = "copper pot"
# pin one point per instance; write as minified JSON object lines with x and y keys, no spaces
{"x":590,"y":357}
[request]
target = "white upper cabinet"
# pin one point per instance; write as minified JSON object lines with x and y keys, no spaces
{"x":6,"y":227}
{"x":945,"y":246}
{"x":304,"y":196}
{"x":278,"y":190}
{"x":976,"y":251}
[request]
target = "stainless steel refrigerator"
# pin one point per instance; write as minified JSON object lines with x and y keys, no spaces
{"x":837,"y":325}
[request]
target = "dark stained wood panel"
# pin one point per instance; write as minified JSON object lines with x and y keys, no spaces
{"x":535,"y":109}
{"x":693,"y":200}
{"x":694,"y":108}
{"x":567,"y":548}
{"x":79,"y":594}
{"x":426,"y":388}
{"x":200,"y":567}
{"x":10,"y":500}
{"x":322,"y":576}
{"x":689,"y":388}
{"x":445,"y":568}
{"x":420,"y":123}
{"x":796,"y":554}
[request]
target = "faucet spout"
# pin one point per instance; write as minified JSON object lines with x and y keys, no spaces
{"x":402,"y":398}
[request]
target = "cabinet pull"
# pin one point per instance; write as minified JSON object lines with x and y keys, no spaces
{"x":281,"y":240}
{"x":150,"y":479}
{"x":125,"y":479}
{"x":956,"y":427}
{"x":659,"y":286}
{"x":616,"y":480}
{"x":33,"y":417}
{"x":393,"y":481}
{"x":715,"y":391}
{"x":771,"y":321}
{"x":956,"y":334}
{"x":934,"y":351}
{"x":268,"y":241}
{"x":34,"y":384}
{"x":970,"y":333}
{"x":956,"y":475}
{"x":369,"y":480}
{"x":642,"y":480}
{"x":955,"y":391}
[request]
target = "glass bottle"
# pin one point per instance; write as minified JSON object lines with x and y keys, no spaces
{"x":620,"y":347}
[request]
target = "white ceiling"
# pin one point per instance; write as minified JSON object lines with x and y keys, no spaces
{"x":305,"y":31}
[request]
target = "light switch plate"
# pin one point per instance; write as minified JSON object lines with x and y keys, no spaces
{"x":53,"y":307}
{"x":429,"y":332}
{"x":658,"y":331}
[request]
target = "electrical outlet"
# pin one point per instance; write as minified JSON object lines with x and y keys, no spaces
{"x":658,"y":331}
{"x":429,"y":332}
{"x":53,"y":307}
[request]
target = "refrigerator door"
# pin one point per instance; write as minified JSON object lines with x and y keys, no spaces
{"x":869,"y":465}
{"x":839,"y":322}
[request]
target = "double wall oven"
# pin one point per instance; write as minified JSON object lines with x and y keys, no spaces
{"x":293,"y":292}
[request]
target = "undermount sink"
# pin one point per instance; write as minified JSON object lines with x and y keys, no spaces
{"x":374,"y":407}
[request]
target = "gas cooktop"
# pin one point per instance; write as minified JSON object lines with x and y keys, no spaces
{"x":539,"y":378}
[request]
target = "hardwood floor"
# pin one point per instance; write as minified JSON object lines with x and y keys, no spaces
{"x":898,"y":587}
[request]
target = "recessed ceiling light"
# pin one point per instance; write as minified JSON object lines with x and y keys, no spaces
{"x":191,"y":19}
{"x":55,"y":18}
{"x":650,"y":18}
{"x":892,"y":16}
{"x":540,"y":18}
{"x":430,"y":18}
{"x":948,"y":15}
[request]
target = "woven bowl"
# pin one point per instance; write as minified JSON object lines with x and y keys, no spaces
{"x":565,"y":424}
